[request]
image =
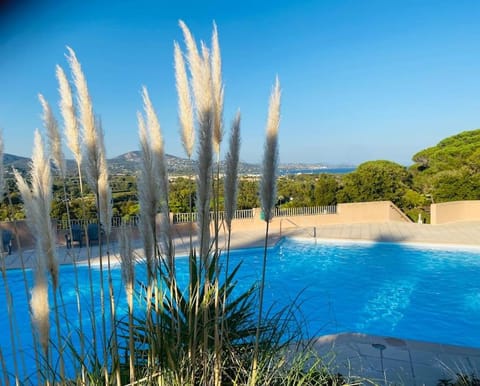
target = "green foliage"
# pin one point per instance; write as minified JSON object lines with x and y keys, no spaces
{"x":182,"y":195}
{"x":307,"y":190}
{"x":375,"y":181}
{"x":181,"y":330}
{"x":325,"y":191}
{"x":248,"y":194}
{"x":449,"y":170}
{"x":454,"y":185}
{"x":451,"y":153}
{"x":415,"y":204}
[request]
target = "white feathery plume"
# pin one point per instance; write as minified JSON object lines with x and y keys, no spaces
{"x":268,"y":188}
{"x":26,"y":194}
{"x":198,"y":71}
{"x":202,"y":90}
{"x":67,"y":108}
{"x":105,"y":201}
{"x":87,"y":117}
{"x":53,"y":136}
{"x":204,"y":180}
{"x":217,"y":85}
{"x":231,"y":172}
{"x":160,"y":166}
{"x":194,"y":59}
{"x":42,"y":202}
{"x":206,"y":101}
{"x":104,"y":189}
{"x":147,"y":193}
{"x":128,"y":264}
{"x":185,"y":108}
{"x":93,"y":158}
{"x":37,"y":202}
{"x":157,"y":147}
{"x":87,"y":120}
{"x":40,"y":307}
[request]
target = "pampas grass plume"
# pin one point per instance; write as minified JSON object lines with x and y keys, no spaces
{"x":268,"y":189}
{"x":87,"y":117}
{"x":159,"y":163}
{"x":40,"y":307}
{"x":100,"y":172}
{"x":185,"y":108}
{"x":147,"y":193}
{"x":90,"y":125}
{"x":231,"y":173}
{"x":127,"y":263}
{"x":195,"y":62}
{"x":105,"y":201}
{"x":67,"y":109}
{"x":199,"y":67}
{"x":206,"y":100}
{"x":157,"y":146}
{"x":217,"y":89}
{"x":204,"y":180}
{"x":53,"y":135}
{"x":42,"y":198}
{"x":37,"y":203}
{"x":200,"y":71}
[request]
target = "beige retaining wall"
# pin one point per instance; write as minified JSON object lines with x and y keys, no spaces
{"x":454,"y":211}
{"x":364,"y":212}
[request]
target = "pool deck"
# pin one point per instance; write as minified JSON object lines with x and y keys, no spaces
{"x":389,"y":360}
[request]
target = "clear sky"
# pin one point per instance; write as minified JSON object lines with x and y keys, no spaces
{"x":361,"y":79}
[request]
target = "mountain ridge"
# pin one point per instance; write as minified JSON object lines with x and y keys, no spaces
{"x":129,"y":163}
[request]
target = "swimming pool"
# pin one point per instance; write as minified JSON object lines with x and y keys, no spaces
{"x":406,"y":291}
{"x":411,"y":292}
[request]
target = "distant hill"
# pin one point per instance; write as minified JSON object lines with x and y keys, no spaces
{"x":128,"y":163}
{"x":11,"y":161}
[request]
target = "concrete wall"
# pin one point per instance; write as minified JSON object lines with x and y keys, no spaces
{"x":375,"y":211}
{"x":364,"y":212}
{"x":380,"y":211}
{"x":454,"y":211}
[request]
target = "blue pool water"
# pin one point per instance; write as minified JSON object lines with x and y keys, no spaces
{"x":410,"y":292}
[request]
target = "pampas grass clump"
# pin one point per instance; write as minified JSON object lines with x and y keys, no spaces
{"x":204,"y":332}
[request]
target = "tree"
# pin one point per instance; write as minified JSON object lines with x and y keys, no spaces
{"x":454,"y":160}
{"x":326,"y":188}
{"x":375,"y":181}
{"x":247,"y":194}
{"x":455,"y":185}
{"x":182,"y":195}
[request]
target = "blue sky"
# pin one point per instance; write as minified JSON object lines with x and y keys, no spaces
{"x":361,"y":80}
